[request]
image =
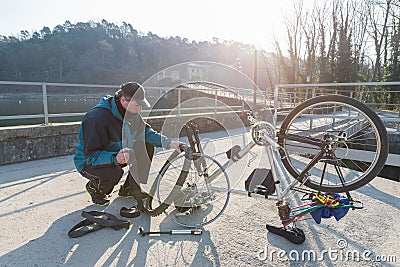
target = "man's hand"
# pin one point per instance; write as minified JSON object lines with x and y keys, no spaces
{"x":175,"y":145}
{"x":123,"y":156}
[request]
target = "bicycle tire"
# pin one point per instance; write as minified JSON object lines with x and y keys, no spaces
{"x":359,"y":116}
{"x":154,"y":212}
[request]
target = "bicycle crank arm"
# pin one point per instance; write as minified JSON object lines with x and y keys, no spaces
{"x":172,"y":232}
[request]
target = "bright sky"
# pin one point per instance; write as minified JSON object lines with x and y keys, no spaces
{"x":250,"y":21}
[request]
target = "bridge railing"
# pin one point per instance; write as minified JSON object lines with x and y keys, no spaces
{"x":48,"y":97}
{"x":383,"y":97}
{"x":284,"y":97}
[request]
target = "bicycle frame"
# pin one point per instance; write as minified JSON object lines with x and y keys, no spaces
{"x":278,"y":171}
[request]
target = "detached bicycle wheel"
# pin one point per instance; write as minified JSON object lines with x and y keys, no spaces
{"x":201,"y":198}
{"x":343,"y":140}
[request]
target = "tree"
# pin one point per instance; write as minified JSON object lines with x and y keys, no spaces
{"x":378,"y":16}
{"x":347,"y":70}
{"x":392,"y":66}
{"x":103,"y":52}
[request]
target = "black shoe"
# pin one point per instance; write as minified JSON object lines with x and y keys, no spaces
{"x":97,"y":198}
{"x":124,"y":192}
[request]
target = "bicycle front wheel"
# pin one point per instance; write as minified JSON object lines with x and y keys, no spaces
{"x":344,"y":139}
{"x":201,"y":198}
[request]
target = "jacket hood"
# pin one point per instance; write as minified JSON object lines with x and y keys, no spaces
{"x":108,"y":102}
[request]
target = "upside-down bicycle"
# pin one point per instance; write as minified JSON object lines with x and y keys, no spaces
{"x":330,"y":144}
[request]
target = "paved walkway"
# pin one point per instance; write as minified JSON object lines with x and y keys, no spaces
{"x":41,"y":200}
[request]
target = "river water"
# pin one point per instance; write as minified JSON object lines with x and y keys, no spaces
{"x":33,"y":105}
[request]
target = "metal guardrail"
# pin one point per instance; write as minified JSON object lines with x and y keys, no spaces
{"x":285,"y":95}
{"x":177,"y":112}
{"x":44,"y":85}
{"x":289,"y":95}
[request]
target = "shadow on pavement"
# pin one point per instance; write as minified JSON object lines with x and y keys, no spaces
{"x":107,"y":247}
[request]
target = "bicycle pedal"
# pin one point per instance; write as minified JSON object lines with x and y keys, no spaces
{"x":261,"y":190}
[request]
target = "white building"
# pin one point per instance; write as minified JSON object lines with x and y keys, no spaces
{"x":196,"y":72}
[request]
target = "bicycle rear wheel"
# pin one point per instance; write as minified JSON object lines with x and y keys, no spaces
{"x":345,"y":138}
{"x":203,"y":196}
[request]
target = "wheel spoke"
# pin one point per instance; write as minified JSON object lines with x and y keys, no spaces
{"x":338,"y":171}
{"x":302,"y":139}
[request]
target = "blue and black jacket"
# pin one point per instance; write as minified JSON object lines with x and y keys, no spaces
{"x":103,"y":133}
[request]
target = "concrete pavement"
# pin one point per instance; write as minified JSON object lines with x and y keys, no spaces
{"x":41,"y":200}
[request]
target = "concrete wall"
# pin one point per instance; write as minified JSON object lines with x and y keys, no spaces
{"x":24,"y":143}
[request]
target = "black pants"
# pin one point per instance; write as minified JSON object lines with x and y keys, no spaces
{"x":106,"y":177}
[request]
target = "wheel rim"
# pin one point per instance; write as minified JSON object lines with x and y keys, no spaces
{"x":360,"y":136}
